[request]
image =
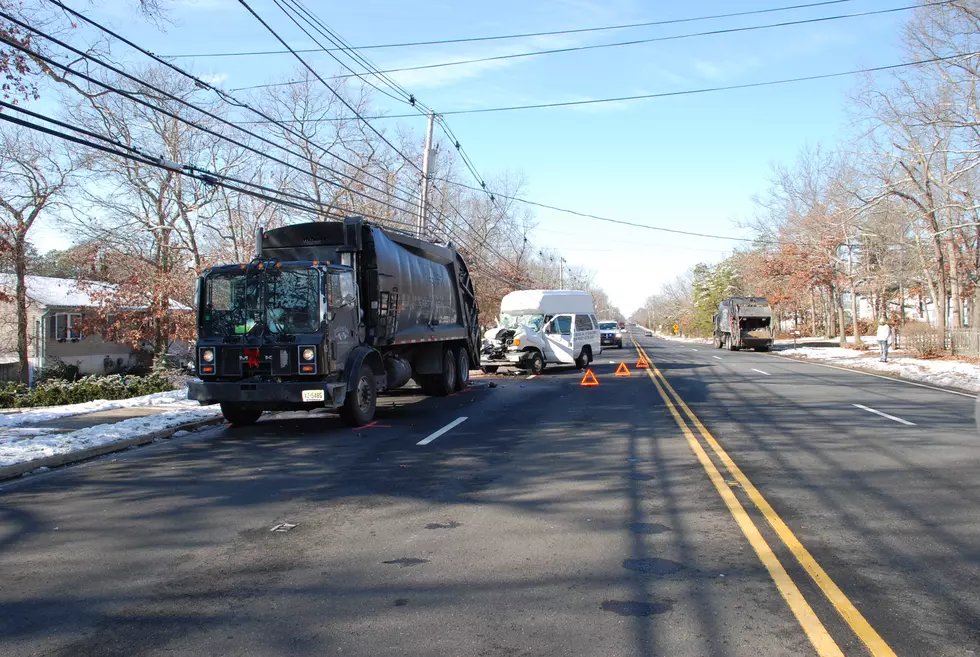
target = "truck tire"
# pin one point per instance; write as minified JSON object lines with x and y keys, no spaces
{"x":731,"y":345}
{"x":462,"y":369}
{"x":763,"y":348}
{"x":361,"y":402}
{"x":440,"y":385}
{"x":239,"y":415}
{"x":584,"y":358}
{"x":719,"y":343}
{"x":535,"y":363}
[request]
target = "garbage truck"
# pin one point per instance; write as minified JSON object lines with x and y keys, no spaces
{"x":328,"y":315}
{"x":743,"y":323}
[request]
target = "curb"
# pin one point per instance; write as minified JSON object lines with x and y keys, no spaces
{"x":10,"y":471}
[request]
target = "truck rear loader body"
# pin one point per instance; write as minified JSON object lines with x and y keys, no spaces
{"x":327,"y":315}
{"x":743,"y":323}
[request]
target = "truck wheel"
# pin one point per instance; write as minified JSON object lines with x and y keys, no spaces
{"x":583,"y":358}
{"x":535,"y":363}
{"x":239,"y":415}
{"x":440,"y":385}
{"x":462,"y":369}
{"x":361,"y":402}
{"x":718,"y":342}
{"x":764,"y":348}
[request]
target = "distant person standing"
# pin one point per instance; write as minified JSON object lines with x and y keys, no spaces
{"x":884,"y":337}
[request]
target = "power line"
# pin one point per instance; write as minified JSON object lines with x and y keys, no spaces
{"x":685,"y":92}
{"x":526,"y":34}
{"x":228,"y":98}
{"x":633,"y":42}
{"x":351,"y":52}
{"x":331,"y":89}
{"x":620,"y":221}
{"x":295,"y":8}
{"x":705,"y":90}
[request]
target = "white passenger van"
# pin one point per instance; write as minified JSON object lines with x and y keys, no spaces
{"x":543,"y":327}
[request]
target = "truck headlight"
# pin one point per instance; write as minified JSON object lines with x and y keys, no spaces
{"x":207,"y":355}
{"x":308,"y":354}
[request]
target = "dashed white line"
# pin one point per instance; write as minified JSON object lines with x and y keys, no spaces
{"x":717,"y":357}
{"x":890,"y":417}
{"x":761,"y":372}
{"x":693,"y":349}
{"x":455,"y":423}
{"x":531,"y":377}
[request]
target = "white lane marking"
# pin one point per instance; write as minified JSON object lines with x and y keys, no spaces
{"x":431,"y":437}
{"x":693,"y":349}
{"x":761,"y":372}
{"x":531,"y":377}
{"x":890,"y":417}
{"x":717,"y":357}
{"x":879,"y":376}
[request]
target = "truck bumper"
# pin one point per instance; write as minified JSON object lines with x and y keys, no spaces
{"x":512,"y":358}
{"x":267,"y":395}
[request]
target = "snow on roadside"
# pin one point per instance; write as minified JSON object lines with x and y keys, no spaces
{"x":174,"y":398}
{"x":22,"y":449}
{"x":943,"y":373}
{"x":677,"y":338}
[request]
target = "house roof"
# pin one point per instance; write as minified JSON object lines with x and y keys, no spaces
{"x":65,"y":292}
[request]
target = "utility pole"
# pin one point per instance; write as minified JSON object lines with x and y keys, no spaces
{"x":424,"y":192}
{"x":561,"y":273}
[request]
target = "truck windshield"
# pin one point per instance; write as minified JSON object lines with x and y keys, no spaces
{"x":608,"y":326}
{"x":273,"y":301}
{"x":514,"y":321}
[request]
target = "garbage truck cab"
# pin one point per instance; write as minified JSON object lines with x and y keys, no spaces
{"x":537,"y":328}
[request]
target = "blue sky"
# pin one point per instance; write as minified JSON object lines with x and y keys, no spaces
{"x":692,"y":162}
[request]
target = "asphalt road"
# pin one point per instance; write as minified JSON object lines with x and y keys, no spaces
{"x":717,"y":504}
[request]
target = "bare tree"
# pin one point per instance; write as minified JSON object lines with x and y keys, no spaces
{"x":35,"y":176}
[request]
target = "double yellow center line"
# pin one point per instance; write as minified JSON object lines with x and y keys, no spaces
{"x":811,"y":624}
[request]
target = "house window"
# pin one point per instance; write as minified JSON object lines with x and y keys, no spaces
{"x":66,"y":326}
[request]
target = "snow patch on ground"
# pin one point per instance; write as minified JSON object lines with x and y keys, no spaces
{"x":678,"y":338}
{"x":24,"y":448}
{"x":174,"y":398}
{"x":942,"y":373}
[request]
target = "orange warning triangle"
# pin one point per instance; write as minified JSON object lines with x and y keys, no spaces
{"x":623,"y":370}
{"x":589,"y":379}
{"x":642,"y":363}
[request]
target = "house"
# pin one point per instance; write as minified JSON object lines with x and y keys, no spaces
{"x":55,"y":311}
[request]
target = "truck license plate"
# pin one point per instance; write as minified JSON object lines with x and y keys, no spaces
{"x":313,"y":395}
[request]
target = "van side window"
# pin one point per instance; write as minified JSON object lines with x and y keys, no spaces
{"x":582,"y":323}
{"x":595,"y":322}
{"x":562,"y":324}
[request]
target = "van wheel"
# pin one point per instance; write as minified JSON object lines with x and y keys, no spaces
{"x":462,"y":369}
{"x":535,"y":363}
{"x":240,"y":415}
{"x":361,"y":402}
{"x":584,"y":358}
{"x":440,"y":385}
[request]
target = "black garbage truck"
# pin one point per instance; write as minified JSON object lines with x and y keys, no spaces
{"x":329,"y":314}
{"x":743,"y":323}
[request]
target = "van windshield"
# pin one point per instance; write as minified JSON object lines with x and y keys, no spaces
{"x":514,"y":321}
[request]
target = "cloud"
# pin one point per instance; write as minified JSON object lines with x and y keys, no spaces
{"x":215,"y":79}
